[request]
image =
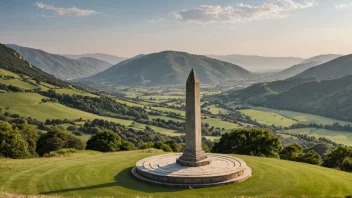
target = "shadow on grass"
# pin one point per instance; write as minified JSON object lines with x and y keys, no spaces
{"x":123,"y":179}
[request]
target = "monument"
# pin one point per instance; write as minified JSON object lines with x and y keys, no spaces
{"x":194,"y":167}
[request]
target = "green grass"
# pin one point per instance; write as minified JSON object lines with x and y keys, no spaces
{"x":18,"y":83}
{"x":92,"y":174}
{"x":8,"y":73}
{"x":166,"y":118}
{"x":269,"y":118}
{"x":340,"y":137}
{"x":303,"y":117}
{"x":164,"y":109}
{"x":215,"y":110}
{"x":74,"y":91}
{"x":29,"y":104}
{"x":218,"y":123}
{"x":131,"y":104}
{"x":158,"y":97}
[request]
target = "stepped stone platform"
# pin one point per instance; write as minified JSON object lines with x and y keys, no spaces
{"x":164,"y":170}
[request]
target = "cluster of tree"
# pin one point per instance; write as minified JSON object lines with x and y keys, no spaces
{"x":294,"y":152}
{"x":57,"y":121}
{"x":335,"y":126}
{"x":54,"y":100}
{"x":312,"y":139}
{"x":103,"y":105}
{"x":23,"y":141}
{"x":169,"y":124}
{"x":340,"y":157}
{"x":11,"y":88}
{"x":212,"y":131}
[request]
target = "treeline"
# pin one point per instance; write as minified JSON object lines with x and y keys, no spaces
{"x":262,"y":142}
{"x":103,"y":105}
{"x":335,"y":126}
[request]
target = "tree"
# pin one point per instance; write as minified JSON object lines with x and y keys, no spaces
{"x":105,"y":141}
{"x":126,"y":146}
{"x":173,"y":145}
{"x":257,"y":142}
{"x":56,"y":139}
{"x":291,"y":152}
{"x":29,"y":133}
{"x":346,"y":164}
{"x":11,"y":142}
{"x":335,"y":158}
{"x":311,"y":157}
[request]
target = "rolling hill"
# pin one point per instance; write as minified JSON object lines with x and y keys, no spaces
{"x":105,"y":57}
{"x":259,"y":63}
{"x":336,"y":68}
{"x":169,"y":68}
{"x":100,"y":64}
{"x":56,"y":65}
{"x":304,"y":65}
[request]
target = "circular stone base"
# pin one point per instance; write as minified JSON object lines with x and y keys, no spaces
{"x":164,"y":170}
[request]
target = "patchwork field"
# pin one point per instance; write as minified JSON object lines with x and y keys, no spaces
{"x":269,"y":118}
{"x":74,"y":91}
{"x":215,"y":110}
{"x":93,"y":174}
{"x":340,"y":137}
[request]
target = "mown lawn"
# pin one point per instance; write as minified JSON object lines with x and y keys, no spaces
{"x":93,"y":174}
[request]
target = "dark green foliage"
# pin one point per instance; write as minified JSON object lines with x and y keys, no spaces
{"x":205,"y":148}
{"x":335,"y":158}
{"x":105,"y":141}
{"x":147,"y":145}
{"x":311,"y":157}
{"x":291,"y":152}
{"x":166,"y":148}
{"x":30,"y":134}
{"x":126,"y":146}
{"x":12,"y":144}
{"x":173,"y":145}
{"x":10,"y":60}
{"x":257,"y":142}
{"x":56,"y":139}
{"x":346,"y":165}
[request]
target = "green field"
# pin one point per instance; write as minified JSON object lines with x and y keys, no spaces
{"x":74,"y":91}
{"x":269,"y":118}
{"x":8,"y":73}
{"x":218,"y":123}
{"x":215,"y":110}
{"x":166,"y":118}
{"x":129,"y":103}
{"x":29,"y":104}
{"x":303,"y":117}
{"x":17,"y":83}
{"x":93,"y":174}
{"x":164,"y":109}
{"x":340,"y":137}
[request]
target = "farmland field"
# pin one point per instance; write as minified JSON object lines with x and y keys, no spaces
{"x":269,"y":118}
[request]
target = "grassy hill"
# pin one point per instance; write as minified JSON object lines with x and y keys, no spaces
{"x":170,"y":68}
{"x":336,"y":68}
{"x":57,"y":65}
{"x":93,"y":174}
{"x":100,"y":64}
{"x":259,"y":63}
{"x":105,"y":57}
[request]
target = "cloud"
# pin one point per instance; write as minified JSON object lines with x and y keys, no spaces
{"x":240,"y":12}
{"x":66,"y":11}
{"x":343,"y":5}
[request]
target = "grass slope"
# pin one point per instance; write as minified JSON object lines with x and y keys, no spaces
{"x":268,"y":118}
{"x":92,"y":174}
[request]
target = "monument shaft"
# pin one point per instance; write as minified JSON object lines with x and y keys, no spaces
{"x":193,"y":154}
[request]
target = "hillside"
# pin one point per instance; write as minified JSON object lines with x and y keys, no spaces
{"x":330,"y":98}
{"x":105,"y":57}
{"x":56,"y":65}
{"x":259,"y":63}
{"x":10,"y":60}
{"x":336,"y":68}
{"x":304,"y":65}
{"x":99,"y":64}
{"x":170,"y":68}
{"x":94,"y":174}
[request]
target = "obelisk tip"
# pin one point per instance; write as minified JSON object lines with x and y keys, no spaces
{"x":192,"y":77}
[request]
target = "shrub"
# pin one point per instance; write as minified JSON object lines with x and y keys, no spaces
{"x":105,"y":141}
{"x":61,"y":152}
{"x":256,"y":142}
{"x":346,"y":164}
{"x":146,"y":145}
{"x":166,"y":148}
{"x":126,"y":146}
{"x":55,"y":139}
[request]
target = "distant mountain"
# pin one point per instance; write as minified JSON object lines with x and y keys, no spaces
{"x":333,"y":69}
{"x":169,"y":68}
{"x":12,"y":61}
{"x":259,"y":63}
{"x":99,"y":64}
{"x":105,"y":57}
{"x":57,"y":65}
{"x":304,"y":65}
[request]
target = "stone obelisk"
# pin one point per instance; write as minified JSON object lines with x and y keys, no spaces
{"x":193,"y":154}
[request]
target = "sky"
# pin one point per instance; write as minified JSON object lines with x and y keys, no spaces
{"x":300,"y":28}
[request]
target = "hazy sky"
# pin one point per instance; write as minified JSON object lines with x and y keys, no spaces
{"x":129,"y":27}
